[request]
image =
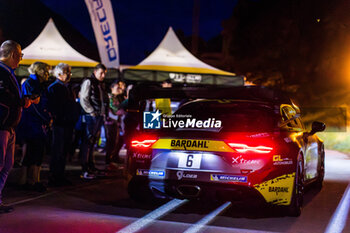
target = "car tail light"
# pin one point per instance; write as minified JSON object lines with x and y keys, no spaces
{"x":143,"y":143}
{"x":244,"y":148}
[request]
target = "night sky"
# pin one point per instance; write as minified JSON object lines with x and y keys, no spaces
{"x":141,"y":24}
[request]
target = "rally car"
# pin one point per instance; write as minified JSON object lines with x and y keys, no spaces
{"x":237,"y":144}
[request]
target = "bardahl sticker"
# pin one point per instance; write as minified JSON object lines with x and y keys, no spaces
{"x":192,"y":144}
{"x":278,"y":190}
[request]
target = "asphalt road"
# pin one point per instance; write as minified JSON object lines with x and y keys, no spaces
{"x":103,"y":205}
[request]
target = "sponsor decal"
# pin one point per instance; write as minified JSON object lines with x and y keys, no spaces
{"x":190,"y":161}
{"x":188,"y":78}
{"x":194,"y":145}
{"x":277,"y":160}
{"x":142,"y":172}
{"x":210,"y":123}
{"x":145,"y":172}
{"x":183,"y":143}
{"x":137,"y":155}
{"x":156,"y":173}
{"x":182,"y":174}
{"x":259,"y":135}
{"x":103,"y":23}
{"x":228,"y":178}
{"x":155,"y":120}
{"x":151,"y":120}
{"x":278,"y":190}
{"x":240,"y":160}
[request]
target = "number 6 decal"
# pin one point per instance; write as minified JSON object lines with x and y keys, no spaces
{"x":190,"y":161}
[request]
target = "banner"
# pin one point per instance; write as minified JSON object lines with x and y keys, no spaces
{"x":102,"y":20}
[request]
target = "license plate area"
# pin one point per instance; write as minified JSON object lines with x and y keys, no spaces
{"x":191,"y":161}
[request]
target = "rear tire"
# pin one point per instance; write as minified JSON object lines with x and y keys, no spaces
{"x":320,"y":170}
{"x":294,"y":209}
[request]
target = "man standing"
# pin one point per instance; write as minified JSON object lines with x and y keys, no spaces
{"x":65,"y":112}
{"x":94,"y":100}
{"x":10,"y":109}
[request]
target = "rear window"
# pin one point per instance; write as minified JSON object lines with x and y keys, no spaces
{"x":234,"y":117}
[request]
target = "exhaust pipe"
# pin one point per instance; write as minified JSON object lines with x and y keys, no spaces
{"x":188,"y":190}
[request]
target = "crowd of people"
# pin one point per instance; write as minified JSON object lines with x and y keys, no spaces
{"x":54,"y":119}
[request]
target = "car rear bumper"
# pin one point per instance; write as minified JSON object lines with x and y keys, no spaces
{"x":206,"y":191}
{"x":277,"y":190}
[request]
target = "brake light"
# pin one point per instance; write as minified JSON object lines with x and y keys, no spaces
{"x":142,"y":143}
{"x":243,"y":148}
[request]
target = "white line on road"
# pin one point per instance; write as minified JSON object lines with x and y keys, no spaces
{"x":149,"y":218}
{"x":207,"y":219}
{"x":338,"y":221}
{"x":32,"y":199}
{"x":54,"y":192}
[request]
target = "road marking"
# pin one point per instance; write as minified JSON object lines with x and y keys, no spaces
{"x":32,"y":199}
{"x":338,"y":221}
{"x":149,"y":218}
{"x":207,"y":219}
{"x":58,"y":191}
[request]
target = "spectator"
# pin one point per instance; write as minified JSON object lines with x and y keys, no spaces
{"x":122,"y":88}
{"x":10,"y":109}
{"x":34,"y":125}
{"x":79,"y":126}
{"x":65,"y":113}
{"x":131,"y":119}
{"x":113,"y":124}
{"x":94,"y":100}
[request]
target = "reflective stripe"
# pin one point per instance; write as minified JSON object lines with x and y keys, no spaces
{"x":151,"y":217}
{"x":198,"y":227}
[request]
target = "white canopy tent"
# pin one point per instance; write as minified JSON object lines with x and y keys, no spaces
{"x":172,"y":60}
{"x":50,"y":47}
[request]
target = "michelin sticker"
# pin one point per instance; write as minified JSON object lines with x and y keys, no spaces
{"x":145,"y":172}
{"x":228,"y":178}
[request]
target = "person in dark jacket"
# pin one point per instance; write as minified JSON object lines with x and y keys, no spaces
{"x":65,"y":113}
{"x":33,"y":127}
{"x":94,"y":101}
{"x":113,"y":125}
{"x":11,"y":104}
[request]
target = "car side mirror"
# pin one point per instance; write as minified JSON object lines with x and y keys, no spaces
{"x":317,"y":127}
